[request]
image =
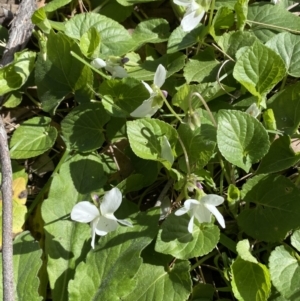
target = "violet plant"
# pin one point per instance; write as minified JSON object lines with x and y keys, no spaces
{"x":185,"y":124}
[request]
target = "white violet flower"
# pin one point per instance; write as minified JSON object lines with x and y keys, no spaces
{"x":150,"y":106}
{"x":203,"y":210}
{"x":102,"y":220}
{"x":112,"y":67}
{"x":193,"y":15}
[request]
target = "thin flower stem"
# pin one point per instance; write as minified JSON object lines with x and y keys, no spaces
{"x":163,"y":193}
{"x":206,"y":107}
{"x":181,"y":196}
{"x":221,"y":182}
{"x":114,"y":157}
{"x":216,"y":126}
{"x":169,"y":107}
{"x":225,"y":54}
{"x":38,"y":104}
{"x":137,"y":16}
{"x":221,"y":78}
{"x":187,"y":162}
{"x":147,"y":190}
{"x":274,"y":26}
{"x":99,"y":7}
{"x":228,"y":178}
{"x":202,"y":275}
{"x":203,"y":259}
{"x":211,"y":14}
{"x":283,"y":83}
{"x":171,"y":115}
{"x":90,"y":66}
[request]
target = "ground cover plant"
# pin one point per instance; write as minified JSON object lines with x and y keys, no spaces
{"x":158,"y":145}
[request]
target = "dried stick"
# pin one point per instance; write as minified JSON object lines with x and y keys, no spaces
{"x":20,"y":32}
{"x":6,"y":188}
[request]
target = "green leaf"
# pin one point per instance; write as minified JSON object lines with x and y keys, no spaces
{"x":269,"y":120}
{"x":250,"y":279}
{"x":13,"y":100}
{"x":121,"y":97}
{"x":140,"y":165}
{"x":226,"y":3}
{"x":67,"y":242}
{"x":133,"y":182}
{"x":179,"y":39}
{"x":242,"y":139}
{"x":287,"y":46}
{"x":286,"y":107}
{"x":280,"y":156}
{"x":231,"y":42}
{"x":83,"y":127}
{"x":172,"y":62}
{"x":199,"y":146}
{"x":14,"y":75}
{"x":34,"y":137}
{"x":114,"y":10}
{"x":115,"y":261}
{"x":115,"y":39}
{"x":241,"y":10}
{"x":26,"y":264}
{"x":146,"y":139}
{"x":175,"y":239}
{"x":259,"y":69}
{"x":209,"y":91}
{"x":266,"y":20}
{"x":40,"y":19}
{"x":151,"y":31}
{"x":285,"y":271}
{"x":55,"y":4}
{"x":155,"y":282}
{"x":295,"y":240}
{"x":202,"y":68}
{"x":224,"y":19}
{"x":59,"y":73}
{"x":272,"y":208}
{"x":203,"y":292}
{"x":90,"y":43}
{"x":18,"y":202}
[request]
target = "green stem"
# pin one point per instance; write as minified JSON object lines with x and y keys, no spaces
{"x":228,"y":243}
{"x":206,"y":107}
{"x":99,"y":7}
{"x":89,"y":65}
{"x":172,"y":115}
{"x":211,"y":14}
{"x":46,"y":187}
{"x":147,"y":190}
{"x":187,"y":161}
{"x":297,"y":182}
{"x":38,"y":104}
{"x":222,"y":181}
{"x":138,"y":16}
{"x":227,"y":176}
{"x":203,"y":259}
{"x":283,"y":83}
{"x":274,"y":26}
{"x":181,"y":196}
{"x":169,"y":107}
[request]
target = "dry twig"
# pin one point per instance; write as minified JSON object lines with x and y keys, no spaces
{"x":20,"y":32}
